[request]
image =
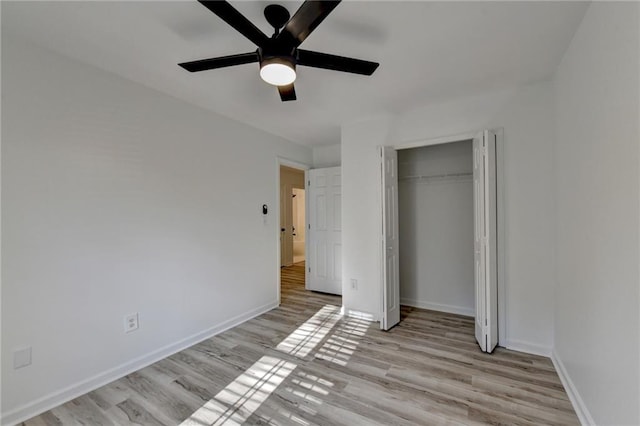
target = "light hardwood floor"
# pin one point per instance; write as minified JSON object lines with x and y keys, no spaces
{"x":303,"y":364}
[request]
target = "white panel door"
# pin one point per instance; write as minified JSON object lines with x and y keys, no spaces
{"x":390,"y":244}
{"x":324,"y":268}
{"x":485,"y":240}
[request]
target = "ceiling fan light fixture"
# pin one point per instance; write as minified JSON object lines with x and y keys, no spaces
{"x":278,"y":71}
{"x":279,"y":55}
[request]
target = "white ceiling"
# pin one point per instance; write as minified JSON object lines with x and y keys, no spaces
{"x":428,"y":51}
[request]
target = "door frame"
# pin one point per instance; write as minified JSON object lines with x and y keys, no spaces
{"x":500,"y":184}
{"x":283,"y":161}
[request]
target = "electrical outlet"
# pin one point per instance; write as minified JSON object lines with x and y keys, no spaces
{"x":354,"y":284}
{"x":131,"y":323}
{"x":21,"y":357}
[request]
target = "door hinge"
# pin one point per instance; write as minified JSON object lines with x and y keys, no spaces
{"x":309,"y":226}
{"x":309,"y":270}
{"x":309,"y":183}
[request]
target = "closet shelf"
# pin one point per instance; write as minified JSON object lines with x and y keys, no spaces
{"x":445,"y":176}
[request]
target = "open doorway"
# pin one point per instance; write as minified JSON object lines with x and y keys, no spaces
{"x":292,"y":229}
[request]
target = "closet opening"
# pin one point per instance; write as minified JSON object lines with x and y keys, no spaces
{"x":436,"y":227}
{"x":442,"y":244}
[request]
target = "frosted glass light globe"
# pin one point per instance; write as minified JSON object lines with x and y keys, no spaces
{"x":277,"y":74}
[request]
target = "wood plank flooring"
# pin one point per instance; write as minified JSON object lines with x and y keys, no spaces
{"x":302,"y":364}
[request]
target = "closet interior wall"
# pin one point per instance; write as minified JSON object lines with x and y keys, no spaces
{"x":435,"y":199}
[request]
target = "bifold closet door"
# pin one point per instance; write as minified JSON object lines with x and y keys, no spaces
{"x":485,"y":240}
{"x":390,"y":242}
{"x":324,"y":230}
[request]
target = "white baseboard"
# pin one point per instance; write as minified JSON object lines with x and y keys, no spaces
{"x":469,"y":312}
{"x":59,"y":397}
{"x":527,"y":347}
{"x":576,"y":400}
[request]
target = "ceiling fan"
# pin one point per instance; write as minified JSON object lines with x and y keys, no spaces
{"x":279,"y":54}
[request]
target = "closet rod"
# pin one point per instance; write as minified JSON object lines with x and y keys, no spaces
{"x":441,"y":176}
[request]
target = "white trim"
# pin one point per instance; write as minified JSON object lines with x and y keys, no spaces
{"x":307,"y":233}
{"x":527,"y":347}
{"x":1,"y":237}
{"x":435,"y":141}
{"x":282,"y":161}
{"x":452,"y":309}
{"x":61,"y":396}
{"x":380,"y":221}
{"x":574,"y":396}
{"x":502,"y":241}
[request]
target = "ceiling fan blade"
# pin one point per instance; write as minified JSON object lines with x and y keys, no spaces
{"x":237,"y":20}
{"x":287,"y":93}
{"x":221,"y":62}
{"x":337,"y":63}
{"x":305,"y":20}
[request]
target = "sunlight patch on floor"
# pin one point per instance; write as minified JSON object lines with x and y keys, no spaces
{"x":292,"y":418}
{"x":306,"y":337}
{"x":310,"y":388}
{"x":234,"y":404}
{"x":343,"y":342}
{"x":242,"y":397}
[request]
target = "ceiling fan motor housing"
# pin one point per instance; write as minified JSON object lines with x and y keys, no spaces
{"x":278,"y":56}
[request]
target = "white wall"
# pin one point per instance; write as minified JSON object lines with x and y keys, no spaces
{"x":435,"y":218}
{"x":117,"y":199}
{"x":597,"y":230}
{"x":326,"y":156}
{"x":526,"y":114}
{"x":361,"y":219}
